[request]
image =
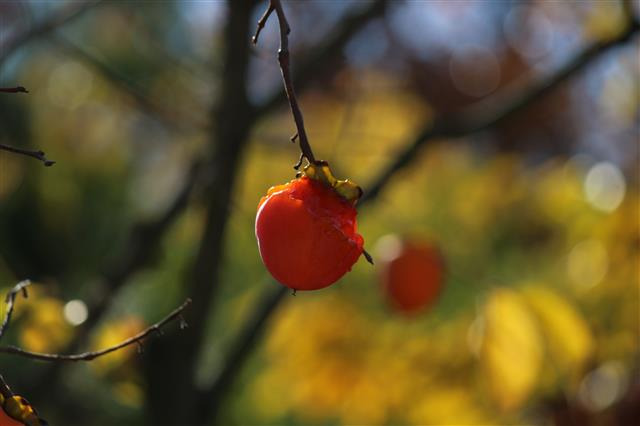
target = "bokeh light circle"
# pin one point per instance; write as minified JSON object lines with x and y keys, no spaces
{"x":76,"y":312}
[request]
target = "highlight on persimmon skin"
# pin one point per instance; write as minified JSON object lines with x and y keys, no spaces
{"x":307,"y":234}
{"x":411,"y":274}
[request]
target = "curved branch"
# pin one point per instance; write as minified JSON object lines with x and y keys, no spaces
{"x":88,"y":356}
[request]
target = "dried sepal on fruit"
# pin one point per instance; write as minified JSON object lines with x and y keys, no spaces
{"x":307,"y":230}
{"x":17,"y":411}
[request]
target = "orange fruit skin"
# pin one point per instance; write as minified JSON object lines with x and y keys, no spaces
{"x":307,"y":234}
{"x":5,"y":420}
{"x":413,"y":279}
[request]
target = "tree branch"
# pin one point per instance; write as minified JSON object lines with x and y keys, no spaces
{"x":38,"y":155}
{"x":88,"y":356}
{"x":263,"y":20}
{"x":283,"y":59}
{"x":175,"y":119}
{"x":17,"y":89}
{"x":58,"y":18}
{"x":143,"y":241}
{"x":323,"y":56}
{"x":209,"y":400}
{"x":493,"y":111}
{"x":21,"y":287}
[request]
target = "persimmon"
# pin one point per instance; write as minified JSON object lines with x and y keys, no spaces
{"x":16,"y":411}
{"x":307,"y":229}
{"x":412,"y":273}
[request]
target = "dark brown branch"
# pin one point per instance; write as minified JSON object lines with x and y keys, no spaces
{"x":54,"y":21}
{"x":17,"y":89}
{"x":263,"y":20}
{"x":283,"y":59}
{"x":88,"y":356}
{"x":143,"y":241}
{"x":210,"y":400}
{"x":322,"y":58}
{"x":38,"y":155}
{"x":175,"y":119}
{"x":21,"y":287}
{"x":493,"y":111}
{"x":255,"y":326}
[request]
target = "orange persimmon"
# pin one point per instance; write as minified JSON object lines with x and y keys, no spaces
{"x":306,"y":230}
{"x":412,"y":275}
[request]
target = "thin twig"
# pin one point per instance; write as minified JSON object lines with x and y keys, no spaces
{"x":88,"y":356}
{"x":21,"y":287}
{"x":263,"y":20}
{"x":17,"y":89}
{"x":283,"y":59}
{"x":323,"y":57}
{"x":38,"y":155}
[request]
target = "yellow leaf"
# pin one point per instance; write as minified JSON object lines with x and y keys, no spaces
{"x":511,"y":352}
{"x":569,"y":339}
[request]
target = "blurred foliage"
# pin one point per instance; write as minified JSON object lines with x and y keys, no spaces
{"x":537,"y":220}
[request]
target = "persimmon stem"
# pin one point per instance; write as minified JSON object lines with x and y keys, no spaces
{"x":283,"y":59}
{"x":367,"y":256}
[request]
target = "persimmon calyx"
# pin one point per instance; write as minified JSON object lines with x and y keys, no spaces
{"x":320,"y":171}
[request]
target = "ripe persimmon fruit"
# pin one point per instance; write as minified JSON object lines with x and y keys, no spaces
{"x":411,"y":274}
{"x":307,"y":231}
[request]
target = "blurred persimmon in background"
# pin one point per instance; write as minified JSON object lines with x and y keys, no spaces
{"x":411,"y":274}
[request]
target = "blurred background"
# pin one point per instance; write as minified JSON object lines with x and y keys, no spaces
{"x":501,"y":135}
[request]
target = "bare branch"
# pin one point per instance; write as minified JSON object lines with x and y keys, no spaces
{"x":283,"y":59}
{"x":325,"y":55}
{"x":62,"y":16}
{"x":17,"y":89}
{"x":88,"y":356}
{"x":261,"y":22}
{"x":38,"y":155}
{"x":210,"y":399}
{"x":493,"y":111}
{"x":21,"y":287}
{"x":177,"y":120}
